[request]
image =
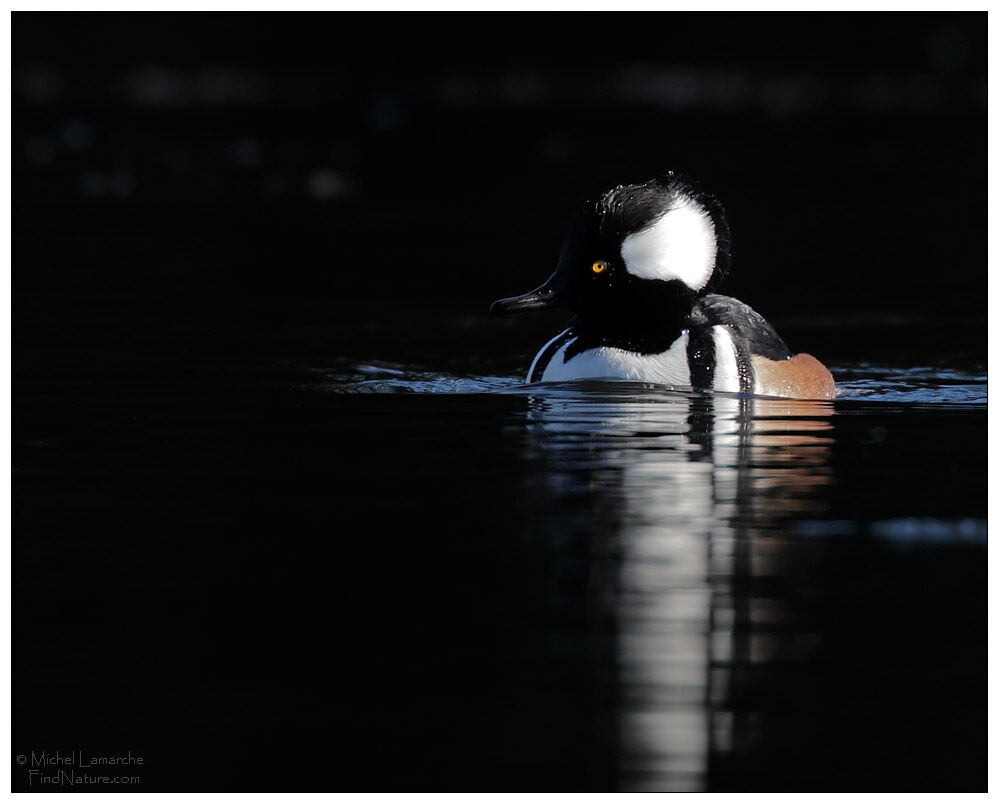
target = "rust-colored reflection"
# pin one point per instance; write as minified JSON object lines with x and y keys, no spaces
{"x":688,"y":493}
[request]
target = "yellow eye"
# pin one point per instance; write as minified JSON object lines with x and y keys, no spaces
{"x":599,"y":267}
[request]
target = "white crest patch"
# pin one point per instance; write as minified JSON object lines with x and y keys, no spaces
{"x":607,"y":362}
{"x":679,"y":245}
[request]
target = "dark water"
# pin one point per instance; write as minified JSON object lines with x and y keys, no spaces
{"x":284,"y":517}
{"x":326,"y":573}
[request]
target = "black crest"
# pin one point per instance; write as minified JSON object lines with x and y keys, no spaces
{"x":630,"y":208}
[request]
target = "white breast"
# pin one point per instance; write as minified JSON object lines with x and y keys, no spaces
{"x":726,"y":361}
{"x":607,"y":362}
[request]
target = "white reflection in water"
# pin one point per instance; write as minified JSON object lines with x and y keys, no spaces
{"x":694,"y":488}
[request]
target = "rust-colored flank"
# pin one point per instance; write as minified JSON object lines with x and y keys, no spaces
{"x":798,"y":377}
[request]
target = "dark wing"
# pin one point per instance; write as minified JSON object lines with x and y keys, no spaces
{"x":749,"y":326}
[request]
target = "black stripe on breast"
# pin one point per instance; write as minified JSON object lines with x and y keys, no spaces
{"x":543,"y":359}
{"x":701,"y":357}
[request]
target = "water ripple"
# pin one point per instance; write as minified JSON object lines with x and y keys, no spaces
{"x":857,"y":383}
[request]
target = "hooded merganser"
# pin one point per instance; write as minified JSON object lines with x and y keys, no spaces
{"x":637,"y":268}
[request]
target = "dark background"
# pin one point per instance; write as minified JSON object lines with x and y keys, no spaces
{"x":205,"y":203}
{"x":196,"y":170}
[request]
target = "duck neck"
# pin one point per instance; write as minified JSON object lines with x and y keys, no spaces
{"x":647,"y":321}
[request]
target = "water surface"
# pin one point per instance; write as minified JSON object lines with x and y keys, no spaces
{"x":749,"y":576}
{"x":447,"y":579}
{"x":284,"y":516}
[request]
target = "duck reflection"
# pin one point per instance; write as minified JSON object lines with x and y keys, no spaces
{"x":687,"y":495}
